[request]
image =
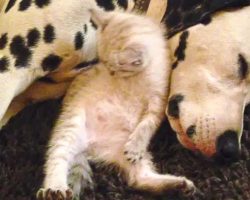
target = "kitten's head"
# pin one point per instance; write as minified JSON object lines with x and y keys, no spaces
{"x":127,"y":43}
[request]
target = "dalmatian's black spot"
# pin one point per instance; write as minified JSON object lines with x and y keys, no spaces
{"x":190,"y":4}
{"x":49,"y":34}
{"x":175,"y":64}
{"x":79,"y":40}
{"x":46,"y":80}
{"x":4,"y":63}
{"x":24,"y":5}
{"x":123,"y":3}
{"x":51,"y":62}
{"x":206,"y":20}
{"x":86,"y":64}
{"x":10,"y":5}
{"x":191,"y":131}
{"x":93,"y":24}
{"x":3,"y":40}
{"x":20,"y":51}
{"x":179,"y":15}
{"x":141,"y":4}
{"x":243,"y":66}
{"x":85,"y":28}
{"x":106,"y":4}
{"x":191,"y":16}
{"x":174,"y":4}
{"x":215,"y":4}
{"x":173,"y":105}
{"x":42,"y":3}
{"x":174,"y":18}
{"x":33,"y":37}
{"x":180,"y":51}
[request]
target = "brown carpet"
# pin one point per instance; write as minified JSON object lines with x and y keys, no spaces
{"x":23,"y":142}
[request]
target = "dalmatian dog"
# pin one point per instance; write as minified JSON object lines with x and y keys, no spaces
{"x":37,"y":39}
{"x":210,"y":53}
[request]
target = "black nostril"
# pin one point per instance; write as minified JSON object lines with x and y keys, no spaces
{"x":227,"y":146}
{"x":173,"y":105}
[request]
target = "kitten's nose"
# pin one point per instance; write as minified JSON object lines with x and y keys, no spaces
{"x":227,"y":147}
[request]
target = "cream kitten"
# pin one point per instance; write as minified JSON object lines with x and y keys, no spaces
{"x":111,"y":112}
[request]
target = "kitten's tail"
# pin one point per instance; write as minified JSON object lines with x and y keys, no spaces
{"x":80,"y":176}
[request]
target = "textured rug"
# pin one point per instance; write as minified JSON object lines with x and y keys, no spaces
{"x":23,"y":144}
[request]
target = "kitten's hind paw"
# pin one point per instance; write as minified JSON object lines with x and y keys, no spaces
{"x":49,"y":194}
{"x":188,"y":188}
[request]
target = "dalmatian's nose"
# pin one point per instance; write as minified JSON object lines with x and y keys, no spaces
{"x":227,"y":147}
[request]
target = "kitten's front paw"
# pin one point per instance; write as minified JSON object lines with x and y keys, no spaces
{"x":134,"y":151}
{"x":49,"y":194}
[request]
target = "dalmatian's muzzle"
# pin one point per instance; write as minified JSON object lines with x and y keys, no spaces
{"x":210,"y":84}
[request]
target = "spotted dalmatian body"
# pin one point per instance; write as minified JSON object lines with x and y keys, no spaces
{"x":37,"y":39}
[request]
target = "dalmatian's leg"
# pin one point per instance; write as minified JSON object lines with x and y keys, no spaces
{"x":37,"y":92}
{"x":12,"y":83}
{"x":1,"y":4}
{"x":7,"y":92}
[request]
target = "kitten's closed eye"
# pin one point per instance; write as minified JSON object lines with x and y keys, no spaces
{"x":137,"y":62}
{"x":129,"y":57}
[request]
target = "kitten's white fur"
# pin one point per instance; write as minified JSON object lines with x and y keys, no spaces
{"x":111,"y":112}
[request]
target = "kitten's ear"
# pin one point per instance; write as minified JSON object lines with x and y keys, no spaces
{"x":100,"y":17}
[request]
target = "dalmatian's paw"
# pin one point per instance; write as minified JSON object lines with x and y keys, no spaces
{"x":49,"y":194}
{"x":134,"y":151}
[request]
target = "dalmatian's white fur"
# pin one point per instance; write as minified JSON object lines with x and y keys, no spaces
{"x":210,"y":86}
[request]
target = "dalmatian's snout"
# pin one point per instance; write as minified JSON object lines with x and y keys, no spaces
{"x":204,"y":130}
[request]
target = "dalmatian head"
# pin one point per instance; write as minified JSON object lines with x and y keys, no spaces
{"x":210,"y":84}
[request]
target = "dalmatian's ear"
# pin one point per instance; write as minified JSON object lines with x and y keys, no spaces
{"x":100,"y":17}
